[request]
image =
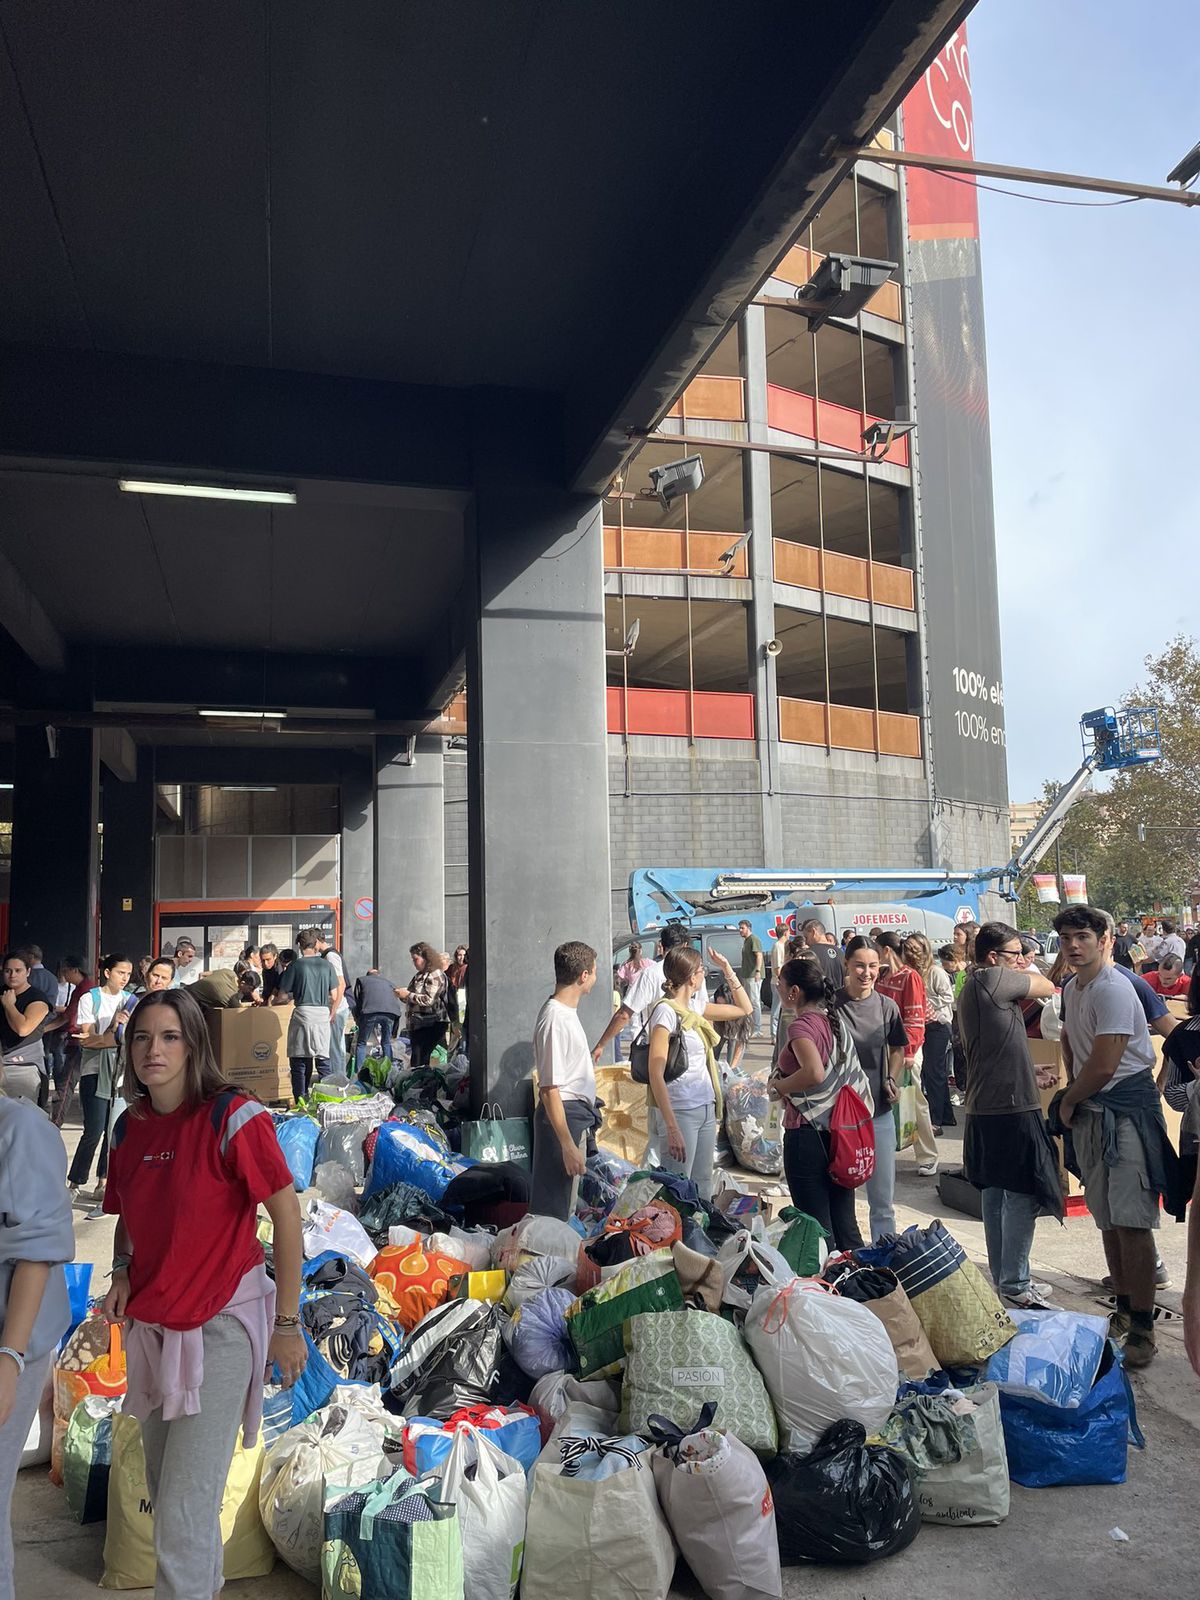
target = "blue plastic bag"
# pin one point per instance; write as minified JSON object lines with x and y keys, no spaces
{"x":537,"y":1335}
{"x":405,"y":1153}
{"x":298,"y":1140}
{"x":431,"y":1440}
{"x":1053,"y":1360}
{"x":1051,"y":1445}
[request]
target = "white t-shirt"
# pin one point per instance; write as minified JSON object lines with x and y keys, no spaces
{"x":693,"y":1087}
{"x":1109,"y":1004}
{"x":778,"y":956}
{"x":561,"y":1052}
{"x":646,"y":990}
{"x":87,"y":1014}
{"x":335,"y":961}
{"x":188,"y":973}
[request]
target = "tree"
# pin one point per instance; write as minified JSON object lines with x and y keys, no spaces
{"x":1125,"y":873}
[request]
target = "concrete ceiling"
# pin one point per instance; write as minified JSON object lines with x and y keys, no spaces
{"x":261,"y":237}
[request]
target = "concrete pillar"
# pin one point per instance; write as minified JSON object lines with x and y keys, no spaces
{"x":54,"y":844}
{"x":410,"y":852}
{"x":127,"y":859}
{"x":358,"y":876}
{"x":756,"y":505}
{"x":538,"y":770}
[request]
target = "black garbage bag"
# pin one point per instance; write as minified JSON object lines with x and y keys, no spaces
{"x":402,"y":1204}
{"x":455,"y":1357}
{"x":491,"y":1192}
{"x":846,"y":1502}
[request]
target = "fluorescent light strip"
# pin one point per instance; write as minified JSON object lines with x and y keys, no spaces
{"x":247,"y":788}
{"x":207,"y":491}
{"x":250,"y":716}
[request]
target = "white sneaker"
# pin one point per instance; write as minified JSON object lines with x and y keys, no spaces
{"x":929,"y":1170}
{"x":1030,"y":1301}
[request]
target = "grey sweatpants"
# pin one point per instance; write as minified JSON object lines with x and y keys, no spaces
{"x":187,"y":1463}
{"x":13,"y":1435}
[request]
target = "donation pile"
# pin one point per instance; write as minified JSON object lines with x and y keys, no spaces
{"x":498,"y":1400}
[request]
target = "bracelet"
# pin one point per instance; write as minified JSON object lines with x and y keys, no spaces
{"x":287,"y":1322}
{"x":7,"y":1350}
{"x":120,"y":1264}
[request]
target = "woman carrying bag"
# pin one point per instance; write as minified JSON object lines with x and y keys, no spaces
{"x":818,"y":1063}
{"x":685,"y":1107}
{"x":24,"y":1013}
{"x":425,"y":1000}
{"x":192,"y":1159}
{"x":101,"y":1018}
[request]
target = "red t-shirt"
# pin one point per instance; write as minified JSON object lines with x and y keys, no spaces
{"x":187,"y":1186}
{"x":1176,"y":991}
{"x":907,"y":989}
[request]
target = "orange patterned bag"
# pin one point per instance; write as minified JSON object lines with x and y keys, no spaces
{"x":417,"y":1280}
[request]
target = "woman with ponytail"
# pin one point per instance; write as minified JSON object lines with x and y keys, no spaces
{"x":818,"y":1063}
{"x":684,"y":1113}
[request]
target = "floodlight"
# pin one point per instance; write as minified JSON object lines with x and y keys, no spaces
{"x":880,"y":436}
{"x":677,"y":478}
{"x":725,"y":566}
{"x":1188,"y":169}
{"x":841,"y":287}
{"x":631,"y":639}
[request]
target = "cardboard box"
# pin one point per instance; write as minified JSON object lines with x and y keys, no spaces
{"x":250,"y":1045}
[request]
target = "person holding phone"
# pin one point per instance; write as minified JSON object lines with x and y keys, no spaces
{"x":684,"y":1113}
{"x":101,"y":1018}
{"x":24,"y":1011}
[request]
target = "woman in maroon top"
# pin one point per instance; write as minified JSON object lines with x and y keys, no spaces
{"x":192,"y":1160}
{"x":906,"y":987}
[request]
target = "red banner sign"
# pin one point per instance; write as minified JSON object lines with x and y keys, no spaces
{"x":938,"y":121}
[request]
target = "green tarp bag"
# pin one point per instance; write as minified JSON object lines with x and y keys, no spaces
{"x":393,"y":1540}
{"x":800,"y":1244}
{"x":596,"y":1321}
{"x":87,"y":1457}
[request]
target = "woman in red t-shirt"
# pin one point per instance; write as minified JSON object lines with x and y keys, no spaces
{"x":904,"y":984}
{"x":192,"y":1160}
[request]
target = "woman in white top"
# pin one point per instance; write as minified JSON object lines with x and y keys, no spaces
{"x":939,"y":1016}
{"x":684,"y":1112}
{"x":101,"y":1018}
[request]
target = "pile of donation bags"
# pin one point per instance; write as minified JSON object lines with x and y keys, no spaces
{"x":495,"y":1399}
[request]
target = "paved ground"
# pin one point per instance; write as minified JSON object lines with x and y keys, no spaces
{"x":1055,"y":1542}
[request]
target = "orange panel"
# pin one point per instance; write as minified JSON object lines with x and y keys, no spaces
{"x":797,"y":563}
{"x":612,"y":547}
{"x":840,"y":427}
{"x":720,"y":399}
{"x":802,"y":721}
{"x":851,"y":728}
{"x":893,"y":586}
{"x":723,"y":716}
{"x":846,"y":575}
{"x":706,"y":550}
{"x":798,"y":265}
{"x":653,"y":547}
{"x":885,"y":302}
{"x":899,"y":736}
{"x":670,"y":549}
{"x":791,"y":411}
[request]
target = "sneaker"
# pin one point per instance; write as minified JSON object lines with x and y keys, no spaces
{"x":956,"y":1098}
{"x":95,"y":1212}
{"x":1140,"y":1351}
{"x":1029,"y":1301}
{"x":1162,"y":1277}
{"x":929,"y":1170}
{"x":1046,"y":1290}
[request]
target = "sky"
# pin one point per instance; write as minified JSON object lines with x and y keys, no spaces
{"x":1093,"y":341}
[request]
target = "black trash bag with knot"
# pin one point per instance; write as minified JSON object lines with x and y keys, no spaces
{"x":846,"y":1502}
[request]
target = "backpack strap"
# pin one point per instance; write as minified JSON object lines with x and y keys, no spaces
{"x":219,"y":1106}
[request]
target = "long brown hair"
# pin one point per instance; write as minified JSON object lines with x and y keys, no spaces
{"x":203,"y":1078}
{"x":433,"y":958}
{"x":921,"y":956}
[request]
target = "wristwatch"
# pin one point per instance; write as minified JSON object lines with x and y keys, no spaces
{"x":7,"y":1350}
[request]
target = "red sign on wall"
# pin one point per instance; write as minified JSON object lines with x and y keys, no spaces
{"x":938,"y":121}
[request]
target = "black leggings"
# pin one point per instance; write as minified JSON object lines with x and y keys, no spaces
{"x":422,"y":1042}
{"x":806,"y":1168}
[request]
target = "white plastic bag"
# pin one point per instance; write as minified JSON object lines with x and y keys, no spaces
{"x":399,"y":1234}
{"x":717,"y":1502}
{"x":600,"y":1539}
{"x":823,"y":1358}
{"x":472,"y":1245}
{"x":557,"y":1390}
{"x":745,"y":1250}
{"x":343,"y":1142}
{"x":489,"y":1489}
{"x":340,"y":1445}
{"x":534,"y":1236}
{"x":327,"y":1228}
{"x":536,"y":1274}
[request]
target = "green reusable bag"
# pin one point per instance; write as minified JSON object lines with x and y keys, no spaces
{"x":800,"y":1244}
{"x":393,"y":1540}
{"x":597,"y":1319}
{"x":904,"y":1112}
{"x":87,"y":1457}
{"x":496,"y":1137}
{"x":675,"y":1365}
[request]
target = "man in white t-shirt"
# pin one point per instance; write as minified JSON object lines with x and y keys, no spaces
{"x":1115,"y":1119}
{"x":566,"y":1111}
{"x":188,"y":965}
{"x":645,"y":992}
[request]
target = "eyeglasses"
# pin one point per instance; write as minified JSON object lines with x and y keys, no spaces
{"x":1011,"y":955}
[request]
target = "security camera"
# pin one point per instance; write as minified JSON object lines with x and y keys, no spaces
{"x":772,"y":647}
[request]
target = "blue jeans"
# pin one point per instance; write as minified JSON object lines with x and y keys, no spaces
{"x":1008,"y":1223}
{"x":367,"y":1025}
{"x":881,"y":1185}
{"x":698,"y":1125}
